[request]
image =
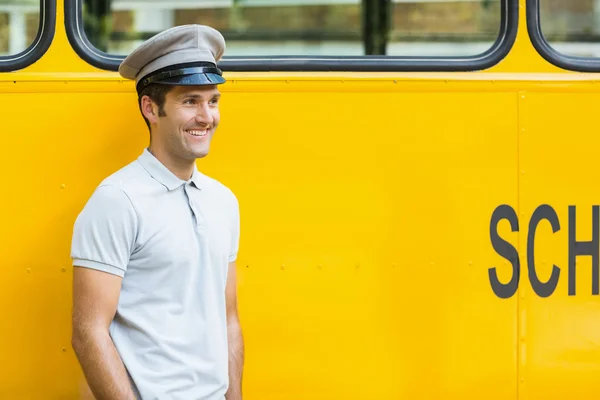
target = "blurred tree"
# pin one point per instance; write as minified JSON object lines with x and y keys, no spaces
{"x":376,"y":16}
{"x":236,"y":18}
{"x":4,"y":33}
{"x":97,"y":22}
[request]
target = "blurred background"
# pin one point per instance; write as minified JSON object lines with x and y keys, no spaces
{"x":315,"y":27}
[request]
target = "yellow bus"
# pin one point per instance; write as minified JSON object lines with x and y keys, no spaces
{"x":417,"y":181}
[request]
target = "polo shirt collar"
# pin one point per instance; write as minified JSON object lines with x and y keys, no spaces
{"x":163,"y":175}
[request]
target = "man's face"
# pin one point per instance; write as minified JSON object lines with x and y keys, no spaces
{"x":192,"y":116}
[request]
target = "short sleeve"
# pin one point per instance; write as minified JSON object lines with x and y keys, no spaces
{"x":104,"y":232}
{"x":235,"y":230}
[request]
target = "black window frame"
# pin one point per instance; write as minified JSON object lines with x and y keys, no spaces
{"x":539,"y":42}
{"x":496,"y":53}
{"x":41,"y":43}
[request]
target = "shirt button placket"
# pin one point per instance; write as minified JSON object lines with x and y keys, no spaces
{"x":194,"y":207}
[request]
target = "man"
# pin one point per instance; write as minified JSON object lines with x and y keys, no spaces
{"x":154,"y":249}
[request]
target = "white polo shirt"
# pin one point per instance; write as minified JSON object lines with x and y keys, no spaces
{"x":171,"y":242}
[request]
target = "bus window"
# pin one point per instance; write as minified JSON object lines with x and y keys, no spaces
{"x":571,"y":27}
{"x":26,"y":31}
{"x":566,"y":32}
{"x":318,"y":34}
{"x":19,"y":22}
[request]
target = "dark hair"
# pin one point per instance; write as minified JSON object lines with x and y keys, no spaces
{"x":158,"y":94}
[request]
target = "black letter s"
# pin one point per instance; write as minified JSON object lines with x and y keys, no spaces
{"x":506,"y":250}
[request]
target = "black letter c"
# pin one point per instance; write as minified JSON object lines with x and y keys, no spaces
{"x":541,"y":289}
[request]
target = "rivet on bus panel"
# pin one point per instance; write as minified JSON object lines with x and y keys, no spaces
{"x":64,"y":270}
{"x":63,"y":186}
{"x":28,"y":270}
{"x":282,"y":267}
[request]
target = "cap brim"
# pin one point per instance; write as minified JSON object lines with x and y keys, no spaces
{"x":194,"y":80}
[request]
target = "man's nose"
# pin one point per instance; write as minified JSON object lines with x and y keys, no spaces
{"x":204,"y":115}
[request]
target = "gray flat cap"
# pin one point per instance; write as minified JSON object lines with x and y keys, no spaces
{"x":183,"y":55}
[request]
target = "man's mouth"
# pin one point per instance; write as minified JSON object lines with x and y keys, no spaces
{"x":197,"y":132}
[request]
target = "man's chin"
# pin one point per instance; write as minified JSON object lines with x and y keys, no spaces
{"x":199,"y":153}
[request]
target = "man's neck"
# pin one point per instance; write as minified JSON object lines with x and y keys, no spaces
{"x":183,"y":169}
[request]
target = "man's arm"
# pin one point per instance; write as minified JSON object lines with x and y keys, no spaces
{"x":95,"y":299}
{"x":234,"y":337}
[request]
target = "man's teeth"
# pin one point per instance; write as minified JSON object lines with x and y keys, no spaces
{"x":196,"y":132}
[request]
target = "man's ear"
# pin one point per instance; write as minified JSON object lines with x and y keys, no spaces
{"x":149,"y":109}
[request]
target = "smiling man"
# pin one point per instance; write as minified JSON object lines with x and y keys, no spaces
{"x":154,"y":249}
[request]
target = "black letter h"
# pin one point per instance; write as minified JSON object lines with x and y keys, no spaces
{"x":576,"y":248}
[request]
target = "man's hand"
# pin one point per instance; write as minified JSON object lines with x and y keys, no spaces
{"x":234,"y":337}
